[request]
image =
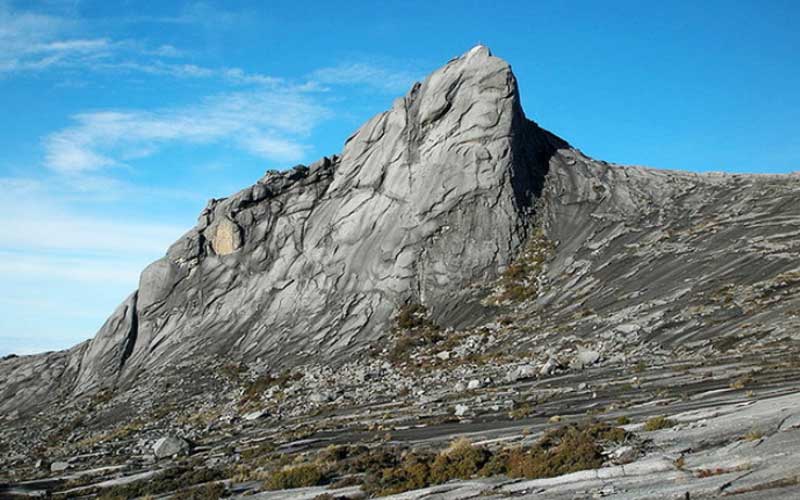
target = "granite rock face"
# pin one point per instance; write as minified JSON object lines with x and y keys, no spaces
{"x":429,"y":203}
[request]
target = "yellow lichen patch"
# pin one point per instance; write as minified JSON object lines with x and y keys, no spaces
{"x":226,"y":237}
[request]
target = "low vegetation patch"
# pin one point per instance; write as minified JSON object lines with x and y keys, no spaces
{"x":412,"y":329}
{"x":120,"y":433}
{"x":167,"y":481}
{"x":568,"y":449}
{"x":523,"y":411}
{"x":385,"y":470}
{"x":520,"y":280}
{"x":753,"y":435}
{"x":297,"y":476}
{"x":741,"y":382}
{"x":658,"y":423}
{"x":255,"y":388}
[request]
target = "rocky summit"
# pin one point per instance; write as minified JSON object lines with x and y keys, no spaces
{"x":459,"y":304}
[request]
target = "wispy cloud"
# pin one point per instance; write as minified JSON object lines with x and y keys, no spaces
{"x":370,"y":75}
{"x":205,"y":14}
{"x":44,"y":223}
{"x":236,"y":76}
{"x":268,"y":124}
{"x":33,"y":42}
{"x":23,"y":265}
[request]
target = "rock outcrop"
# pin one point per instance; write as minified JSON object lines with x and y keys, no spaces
{"x":428,"y":204}
{"x":428,"y":201}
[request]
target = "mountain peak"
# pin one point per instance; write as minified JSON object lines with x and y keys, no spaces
{"x":427,"y":201}
{"x":478,"y":51}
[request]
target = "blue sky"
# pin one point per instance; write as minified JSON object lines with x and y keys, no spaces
{"x":120,"y":119}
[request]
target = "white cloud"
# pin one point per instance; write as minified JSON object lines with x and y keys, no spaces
{"x":272,"y":147}
{"x":18,"y":265}
{"x":166,"y":51}
{"x":31,"y":42}
{"x":264,"y":123}
{"x":43,"y":222}
{"x":370,"y":75}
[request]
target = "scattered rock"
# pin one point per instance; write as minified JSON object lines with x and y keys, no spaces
{"x":319,"y":397}
{"x":550,"y":367}
{"x":522,"y":372}
{"x":169,"y":446}
{"x":461,"y":410}
{"x":59,"y":466}
{"x":584,"y":358}
{"x":255,"y":415}
{"x":623,"y":454}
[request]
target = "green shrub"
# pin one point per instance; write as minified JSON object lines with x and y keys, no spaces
{"x":460,"y":461}
{"x":295,"y":477}
{"x":212,"y":491}
{"x":568,"y":449}
{"x":164,"y":482}
{"x":412,"y":473}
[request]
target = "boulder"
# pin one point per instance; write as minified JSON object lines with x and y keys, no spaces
{"x":169,"y":446}
{"x":584,"y":358}
{"x":550,"y":367}
{"x":59,"y":466}
{"x":522,"y":372}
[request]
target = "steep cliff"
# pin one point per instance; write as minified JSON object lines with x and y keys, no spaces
{"x":427,"y":202}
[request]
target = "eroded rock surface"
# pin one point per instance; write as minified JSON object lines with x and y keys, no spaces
{"x":427,"y":201}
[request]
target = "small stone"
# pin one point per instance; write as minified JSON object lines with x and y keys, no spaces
{"x":461,"y":410}
{"x":522,"y":372}
{"x":627,"y":328}
{"x":255,"y":415}
{"x":318,"y":397}
{"x":474,"y":384}
{"x":460,"y":387}
{"x":549,"y":367}
{"x":623,"y":455}
{"x":59,"y":466}
{"x":444,"y":355}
